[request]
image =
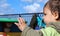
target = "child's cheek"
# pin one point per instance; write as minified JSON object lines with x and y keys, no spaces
{"x":46,"y":19}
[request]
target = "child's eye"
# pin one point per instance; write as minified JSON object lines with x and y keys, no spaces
{"x":44,"y":14}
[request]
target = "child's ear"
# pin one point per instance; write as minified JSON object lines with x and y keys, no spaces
{"x":55,"y":14}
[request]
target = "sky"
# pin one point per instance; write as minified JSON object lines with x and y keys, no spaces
{"x":21,"y":6}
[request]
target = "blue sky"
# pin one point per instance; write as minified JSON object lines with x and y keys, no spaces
{"x":21,"y":6}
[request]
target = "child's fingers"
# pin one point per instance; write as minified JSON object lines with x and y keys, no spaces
{"x":21,"y":20}
{"x":17,"y":24}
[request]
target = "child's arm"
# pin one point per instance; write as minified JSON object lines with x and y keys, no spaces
{"x":30,"y":32}
{"x":27,"y":31}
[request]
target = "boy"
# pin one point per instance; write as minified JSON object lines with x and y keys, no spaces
{"x":51,"y":18}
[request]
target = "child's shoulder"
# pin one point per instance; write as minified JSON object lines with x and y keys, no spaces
{"x":49,"y":31}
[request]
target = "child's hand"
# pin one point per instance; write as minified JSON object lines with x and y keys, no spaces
{"x":21,"y":24}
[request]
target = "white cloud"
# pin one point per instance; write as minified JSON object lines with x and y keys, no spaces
{"x":34,"y":8}
{"x":27,"y":0}
{"x":36,"y":1}
{"x":3,"y":1}
{"x":43,"y":1}
{"x":5,"y":7}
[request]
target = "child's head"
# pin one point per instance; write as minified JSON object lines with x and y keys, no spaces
{"x":52,"y":11}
